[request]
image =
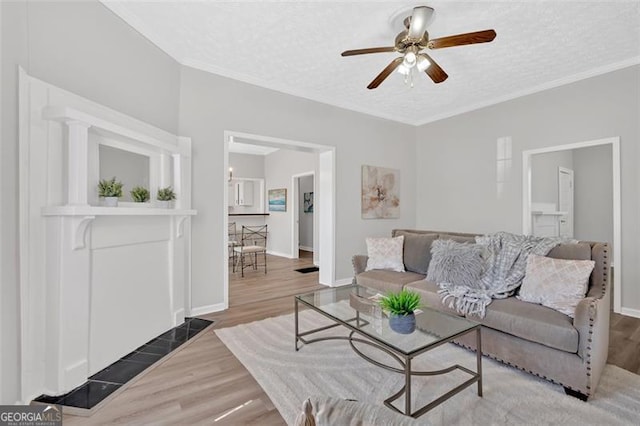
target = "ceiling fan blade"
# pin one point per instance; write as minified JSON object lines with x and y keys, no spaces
{"x":419,"y":21}
{"x":462,"y":39}
{"x":369,"y":50}
{"x":385,"y":73}
{"x":434,"y":71}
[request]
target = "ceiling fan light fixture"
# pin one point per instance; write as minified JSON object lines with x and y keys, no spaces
{"x":404,"y":70}
{"x":422,"y":63}
{"x":409,"y":59}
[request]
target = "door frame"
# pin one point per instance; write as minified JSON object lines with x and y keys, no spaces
{"x":295,"y":217}
{"x":570,"y":172}
{"x":617,"y":227}
{"x":325,"y":184}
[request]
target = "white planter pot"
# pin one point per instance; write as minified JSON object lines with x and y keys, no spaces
{"x":111,"y":201}
{"x":165,"y":204}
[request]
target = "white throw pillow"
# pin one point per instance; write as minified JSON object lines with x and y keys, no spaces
{"x":385,"y":253}
{"x":558,"y":284}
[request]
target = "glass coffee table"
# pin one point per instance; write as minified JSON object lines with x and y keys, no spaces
{"x":355,"y":308}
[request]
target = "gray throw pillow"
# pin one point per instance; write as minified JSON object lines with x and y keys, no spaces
{"x":417,"y":251}
{"x":456,"y":263}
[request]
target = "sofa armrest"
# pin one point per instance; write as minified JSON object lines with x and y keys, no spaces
{"x":592,"y":322}
{"x":359,"y":262}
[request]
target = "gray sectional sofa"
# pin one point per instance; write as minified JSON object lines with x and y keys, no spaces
{"x":531,"y":337}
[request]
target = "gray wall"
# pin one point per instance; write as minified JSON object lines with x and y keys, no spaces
{"x":305,"y":234}
{"x":457,"y":157}
{"x":593,"y":198}
{"x":84,"y":48}
{"x":280,"y":166}
{"x":247,"y":165}
{"x":544,"y":175}
{"x":211,"y":104}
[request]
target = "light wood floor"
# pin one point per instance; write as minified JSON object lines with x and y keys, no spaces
{"x":204,"y":381}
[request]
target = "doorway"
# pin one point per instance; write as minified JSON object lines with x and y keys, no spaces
{"x":324,"y":196}
{"x":614,"y":189}
{"x":303,"y":224}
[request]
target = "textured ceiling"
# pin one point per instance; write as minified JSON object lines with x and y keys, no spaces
{"x":294,"y":47}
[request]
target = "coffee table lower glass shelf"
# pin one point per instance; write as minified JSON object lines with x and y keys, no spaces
{"x":354,"y":307}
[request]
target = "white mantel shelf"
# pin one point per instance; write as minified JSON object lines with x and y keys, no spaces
{"x":114,"y":211}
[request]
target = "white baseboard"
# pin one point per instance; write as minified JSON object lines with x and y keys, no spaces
{"x":178,"y":317}
{"x":275,"y":253}
{"x":630,"y":312}
{"x":344,"y":281}
{"x":305,"y":248}
{"x":203,"y":310}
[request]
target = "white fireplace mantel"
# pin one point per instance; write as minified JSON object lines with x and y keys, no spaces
{"x":96,"y":282}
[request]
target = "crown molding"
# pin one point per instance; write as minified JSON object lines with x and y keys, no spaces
{"x":174,"y":52}
{"x":540,"y":88}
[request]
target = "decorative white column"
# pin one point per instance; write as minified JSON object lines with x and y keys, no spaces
{"x":78,"y":175}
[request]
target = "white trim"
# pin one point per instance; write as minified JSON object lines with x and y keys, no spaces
{"x":208,"y":309}
{"x":295,"y":212}
{"x":305,"y":248}
{"x":341,"y":282}
{"x":530,"y":91}
{"x":617,"y":212}
{"x":280,"y":254}
{"x":630,"y":312}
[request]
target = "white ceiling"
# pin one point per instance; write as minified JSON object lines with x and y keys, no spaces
{"x":294,"y":47}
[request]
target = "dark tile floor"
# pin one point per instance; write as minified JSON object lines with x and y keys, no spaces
{"x":106,"y":381}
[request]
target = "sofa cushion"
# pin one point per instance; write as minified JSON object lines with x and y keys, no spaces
{"x":385,"y":253}
{"x":559,"y":284}
{"x":428,"y":292}
{"x":417,"y":250}
{"x":456,"y":263}
{"x":528,"y":321}
{"x":577,"y":251}
{"x":387,"y":281}
{"x":458,"y":238}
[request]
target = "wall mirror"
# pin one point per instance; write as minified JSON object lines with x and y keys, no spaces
{"x":128,"y":167}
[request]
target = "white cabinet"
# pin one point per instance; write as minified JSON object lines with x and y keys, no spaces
{"x":241,"y":193}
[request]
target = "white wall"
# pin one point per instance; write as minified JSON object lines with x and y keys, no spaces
{"x":305,"y":235}
{"x":593,"y":218}
{"x":544,"y":175}
{"x":211,"y":104}
{"x":456,"y":158}
{"x":84,"y":48}
{"x":279,"y":168}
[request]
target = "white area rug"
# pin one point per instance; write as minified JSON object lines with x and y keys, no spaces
{"x":331,"y":368}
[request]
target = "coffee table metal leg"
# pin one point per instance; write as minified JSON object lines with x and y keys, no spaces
{"x":296,"y":322}
{"x":407,"y":386}
{"x":479,"y":359}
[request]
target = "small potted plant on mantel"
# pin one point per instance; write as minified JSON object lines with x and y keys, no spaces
{"x":140,"y":194}
{"x":165,"y":197}
{"x":110,"y":190}
{"x":401,"y":307}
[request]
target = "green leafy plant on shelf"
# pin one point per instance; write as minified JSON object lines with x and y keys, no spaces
{"x":110,"y":188}
{"x":166,"y":194}
{"x":140,"y":194}
{"x":402,"y":303}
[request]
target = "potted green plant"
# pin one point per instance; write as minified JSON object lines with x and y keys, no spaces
{"x":165,"y":196}
{"x":401,"y":307}
{"x":110,"y":190}
{"x":140,"y":194}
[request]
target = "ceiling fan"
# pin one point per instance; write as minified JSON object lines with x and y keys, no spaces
{"x":411,"y":44}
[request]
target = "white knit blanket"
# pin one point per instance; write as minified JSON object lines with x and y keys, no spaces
{"x":504,"y":270}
